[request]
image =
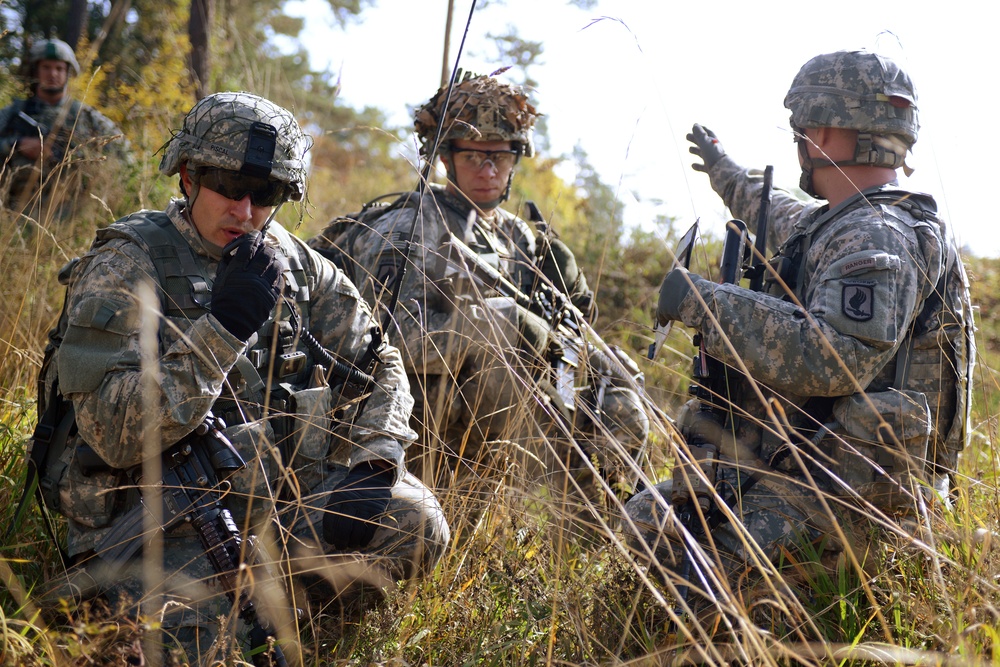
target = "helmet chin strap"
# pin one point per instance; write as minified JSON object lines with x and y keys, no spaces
{"x":493,"y":203}
{"x":808,"y":163}
{"x":868,"y":152}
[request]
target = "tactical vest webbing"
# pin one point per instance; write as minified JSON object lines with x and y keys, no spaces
{"x":938,"y":353}
{"x":185,"y":293}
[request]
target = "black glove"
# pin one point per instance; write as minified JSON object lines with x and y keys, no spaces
{"x":706,"y":146}
{"x":355,"y":505}
{"x":247,"y":285}
{"x":674,"y":288}
{"x":559,"y":265}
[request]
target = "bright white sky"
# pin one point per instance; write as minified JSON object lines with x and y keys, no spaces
{"x":629,"y":86}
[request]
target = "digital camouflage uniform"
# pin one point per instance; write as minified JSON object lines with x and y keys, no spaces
{"x":870,"y":322}
{"x":76,"y":135}
{"x":486,"y":395}
{"x":296,"y":452}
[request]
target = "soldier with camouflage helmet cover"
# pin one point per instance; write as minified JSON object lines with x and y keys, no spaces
{"x":45,"y":138}
{"x":250,"y":325}
{"x":862,"y":333}
{"x":478,"y":361}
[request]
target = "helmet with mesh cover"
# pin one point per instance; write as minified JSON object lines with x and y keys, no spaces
{"x":241,"y":132}
{"x":53,"y":49}
{"x":480,"y":109}
{"x":861,"y":91}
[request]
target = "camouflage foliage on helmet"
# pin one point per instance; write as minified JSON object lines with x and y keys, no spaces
{"x":480,"y":109}
{"x":855,"y":90}
{"x":54,"y":49}
{"x":218,"y":132}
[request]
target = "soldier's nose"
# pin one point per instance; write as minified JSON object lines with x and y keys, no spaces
{"x":241,"y":208}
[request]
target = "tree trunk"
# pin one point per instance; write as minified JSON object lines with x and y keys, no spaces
{"x":445,"y":65}
{"x":77,"y":22}
{"x":199,"y":28}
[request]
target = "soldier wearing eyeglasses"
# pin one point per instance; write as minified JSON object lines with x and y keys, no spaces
{"x":481,"y":364}
{"x":247,"y":323}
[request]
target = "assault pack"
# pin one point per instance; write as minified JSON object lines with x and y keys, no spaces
{"x":336,"y":242}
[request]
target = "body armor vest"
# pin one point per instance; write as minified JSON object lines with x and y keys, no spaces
{"x":938,"y":353}
{"x":277,"y":357}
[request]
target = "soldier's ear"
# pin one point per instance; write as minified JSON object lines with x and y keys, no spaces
{"x":187,"y":183}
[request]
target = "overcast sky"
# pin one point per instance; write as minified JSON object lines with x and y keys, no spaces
{"x":627,"y":79}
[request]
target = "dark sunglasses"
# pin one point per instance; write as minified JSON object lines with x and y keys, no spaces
{"x":234,"y":185}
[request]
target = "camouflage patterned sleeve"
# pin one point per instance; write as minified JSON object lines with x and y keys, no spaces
{"x":740,"y":189}
{"x":429,"y":319}
{"x":99,"y":360}
{"x":343,"y":322}
{"x":100,"y":126}
{"x":867,"y":275}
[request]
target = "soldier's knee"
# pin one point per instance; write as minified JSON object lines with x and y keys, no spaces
{"x":414,"y":531}
{"x":649,"y":525}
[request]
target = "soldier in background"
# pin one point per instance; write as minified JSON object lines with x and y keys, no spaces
{"x":46,"y":138}
{"x":862,"y":336}
{"x":496,"y":383}
{"x":251,"y":324}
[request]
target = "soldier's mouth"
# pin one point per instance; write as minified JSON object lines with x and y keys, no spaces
{"x":232,"y":234}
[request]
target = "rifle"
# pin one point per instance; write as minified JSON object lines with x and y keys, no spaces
{"x":567,"y":321}
{"x":550,"y":304}
{"x":57,"y":142}
{"x":694,"y":479}
{"x":194,"y":469}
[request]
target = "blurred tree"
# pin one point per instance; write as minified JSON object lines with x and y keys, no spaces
{"x":199,"y":30}
{"x":76,"y":22}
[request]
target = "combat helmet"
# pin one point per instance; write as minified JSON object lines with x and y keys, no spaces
{"x":53,"y":49}
{"x":241,"y":132}
{"x":480,"y":109}
{"x":856,"y":90}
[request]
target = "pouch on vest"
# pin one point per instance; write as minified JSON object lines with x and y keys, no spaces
{"x":91,"y":499}
{"x":883,"y":455}
{"x":308,"y":442}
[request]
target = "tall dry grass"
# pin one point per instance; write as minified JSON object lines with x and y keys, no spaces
{"x":539,"y":570}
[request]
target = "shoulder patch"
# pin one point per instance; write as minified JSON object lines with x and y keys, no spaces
{"x":859,"y":265}
{"x":858,"y":300}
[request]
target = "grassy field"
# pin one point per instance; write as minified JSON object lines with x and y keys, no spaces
{"x":520,"y":584}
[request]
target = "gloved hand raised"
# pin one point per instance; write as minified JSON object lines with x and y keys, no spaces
{"x":354,"y":506}
{"x":673,"y":289}
{"x":706,"y":146}
{"x":247,"y":285}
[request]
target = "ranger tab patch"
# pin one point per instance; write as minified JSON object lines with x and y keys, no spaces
{"x":858,"y":300}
